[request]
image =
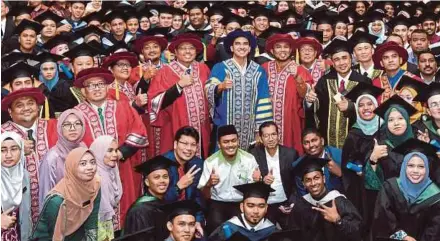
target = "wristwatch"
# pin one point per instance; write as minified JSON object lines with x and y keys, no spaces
{"x":339,"y":221}
{"x":373,"y":163}
{"x":178,"y":189}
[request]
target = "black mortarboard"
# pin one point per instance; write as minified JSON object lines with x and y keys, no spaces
{"x":361,"y":89}
{"x":216,"y":9}
{"x":286,"y":235}
{"x":269,"y":32}
{"x":258,"y":11}
{"x":385,"y":239}
{"x":230,"y":18}
{"x":131,"y":14}
{"x":256,"y":189}
{"x":318,"y":35}
{"x":409,"y":11}
{"x":115,"y":14}
{"x":95,"y":16}
{"x":147,"y":234}
{"x":428,"y":16}
{"x":360,"y":23}
{"x":57,"y":40}
{"x":17,"y":11}
{"x":82,"y":50}
{"x":237,"y":236}
{"x":17,"y":70}
{"x":119,"y":46}
{"x":92,"y":29}
{"x":142,"y":11}
{"x":200,"y":33}
{"x":15,"y":56}
{"x":361,"y":37}
{"x":336,"y":46}
{"x":169,"y":9}
{"x":428,"y":92}
{"x":47,"y":57}
{"x":394,"y":100}
{"x":185,"y":207}
{"x":309,"y":164}
{"x":48,"y":15}
{"x":374,"y":15}
{"x":341,"y":18}
{"x":321,"y":17}
{"x":294,"y":28}
{"x":226,"y":130}
{"x":26,"y":24}
{"x":399,"y":20}
{"x":416,"y":145}
{"x":284,"y":16}
{"x":156,"y":163}
{"x":407,"y":81}
{"x":196,"y":5}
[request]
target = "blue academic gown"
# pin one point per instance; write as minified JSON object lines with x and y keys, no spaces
{"x":191,"y":192}
{"x":332,"y":182}
{"x":236,"y":224}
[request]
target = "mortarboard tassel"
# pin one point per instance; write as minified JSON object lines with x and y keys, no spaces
{"x":117,"y":89}
{"x":257,"y":51}
{"x":204,"y":52}
{"x":46,"y":109}
{"x":297,"y":56}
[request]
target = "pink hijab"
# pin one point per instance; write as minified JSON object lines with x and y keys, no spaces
{"x":64,"y":146}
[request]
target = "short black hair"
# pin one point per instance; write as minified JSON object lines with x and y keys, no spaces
{"x":425,"y":51}
{"x":187,"y":131}
{"x":419,"y":30}
{"x":266,"y":124}
{"x":310,"y":131}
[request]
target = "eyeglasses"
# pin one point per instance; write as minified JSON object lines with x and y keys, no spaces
{"x":192,"y":145}
{"x":69,"y":126}
{"x":187,"y":49}
{"x":306,"y":50}
{"x":123,"y":65}
{"x":95,"y":86}
{"x":273,"y":135}
{"x":435,"y":105}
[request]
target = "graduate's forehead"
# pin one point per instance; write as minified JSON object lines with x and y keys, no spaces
{"x":254,"y":201}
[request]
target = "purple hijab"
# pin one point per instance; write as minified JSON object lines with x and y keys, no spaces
{"x":111,"y":186}
{"x":51,"y":169}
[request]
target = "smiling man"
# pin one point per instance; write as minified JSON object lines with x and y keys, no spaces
{"x":181,"y":220}
{"x":238,"y":91}
{"x":428,"y":67}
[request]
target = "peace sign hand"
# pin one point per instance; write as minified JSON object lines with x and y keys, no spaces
{"x":423,"y":136}
{"x":188,"y":179}
{"x":330,"y":214}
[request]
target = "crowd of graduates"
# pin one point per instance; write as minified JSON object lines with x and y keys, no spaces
{"x":220,"y":120}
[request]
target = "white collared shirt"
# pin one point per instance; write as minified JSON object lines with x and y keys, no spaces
{"x":241,"y":69}
{"x":249,"y":227}
{"x":345,"y":79}
{"x":96,"y":107}
{"x":369,"y":71}
{"x":33,"y":128}
{"x":427,"y":81}
{"x":3,"y":27}
{"x":273,"y":163}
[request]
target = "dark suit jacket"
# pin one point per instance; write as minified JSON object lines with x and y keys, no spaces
{"x":9,"y":29}
{"x":287,"y":157}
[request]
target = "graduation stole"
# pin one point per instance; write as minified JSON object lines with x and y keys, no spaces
{"x":32,"y":160}
{"x":194,"y":97}
{"x":93,"y":120}
{"x":126,"y":88}
{"x":277,"y":90}
{"x":316,"y":73}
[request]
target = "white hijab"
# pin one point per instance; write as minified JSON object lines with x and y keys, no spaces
{"x":12,"y":177}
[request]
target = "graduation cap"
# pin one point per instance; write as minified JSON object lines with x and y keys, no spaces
{"x":147,"y":234}
{"x":156,"y":163}
{"x":361,"y":37}
{"x":385,"y":239}
{"x":115,"y":14}
{"x":196,"y":5}
{"x":336,"y":46}
{"x":95,"y":16}
{"x":318,"y":35}
{"x":237,"y":236}
{"x":185,"y":207}
{"x":117,"y":47}
{"x":341,"y":18}
{"x":256,"y":189}
{"x":82,"y":50}
{"x":362,"y":89}
{"x":18,"y":70}
{"x":269,"y":32}
{"x":322,"y":17}
{"x":407,"y":81}
{"x":226,"y":130}
{"x":375,"y":15}
{"x":393,"y":101}
{"x":48,"y":57}
{"x":284,"y":16}
{"x":416,"y":145}
{"x":286,"y":235}
{"x":232,"y":18}
{"x":27,"y":24}
{"x":399,"y":20}
{"x":427,"y":92}
{"x":15,"y":56}
{"x":57,"y":40}
{"x":309,"y":164}
{"x":168,"y":9}
{"x":261,"y":11}
{"x":18,"y":11}
{"x":48,"y":15}
{"x":92,"y":29}
{"x":428,"y":16}
{"x":216,"y":9}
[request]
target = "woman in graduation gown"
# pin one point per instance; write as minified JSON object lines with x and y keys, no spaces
{"x":359,"y":141}
{"x":71,"y":208}
{"x":15,"y":190}
{"x":409,"y":206}
{"x":59,"y":89}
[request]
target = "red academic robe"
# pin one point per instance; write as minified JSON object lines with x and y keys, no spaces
{"x":46,"y":138}
{"x":124,"y":123}
{"x":383,"y":82}
{"x":287,"y":89}
{"x":189,"y":109}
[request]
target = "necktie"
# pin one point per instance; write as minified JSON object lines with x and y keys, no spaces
{"x":101,"y":116}
{"x":181,"y":172}
{"x":365,"y":74}
{"x":342,"y":86}
{"x":31,"y":136}
{"x":253,"y":230}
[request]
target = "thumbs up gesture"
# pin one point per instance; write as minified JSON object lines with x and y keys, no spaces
{"x":343,"y":104}
{"x":311,"y":95}
{"x":268,"y":179}
{"x":256,"y":174}
{"x":141,"y":99}
{"x":149,"y":71}
{"x":379,"y":151}
{"x":185,"y":80}
{"x":227,"y":83}
{"x":214,"y":178}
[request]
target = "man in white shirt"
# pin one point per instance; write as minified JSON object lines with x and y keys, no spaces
{"x":428,"y":67}
{"x":362,"y":44}
{"x":228,"y":167}
{"x":275,"y":163}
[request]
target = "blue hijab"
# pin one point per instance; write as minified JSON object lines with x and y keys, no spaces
{"x":410,"y":190}
{"x":49,"y":83}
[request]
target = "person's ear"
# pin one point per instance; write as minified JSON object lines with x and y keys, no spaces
{"x":242,"y":207}
{"x":428,"y":110}
{"x":83,"y":91}
{"x":147,"y":183}
{"x":169,"y":226}
{"x":381,"y":63}
{"x":9,"y":111}
{"x":400,"y":60}
{"x":175,"y":145}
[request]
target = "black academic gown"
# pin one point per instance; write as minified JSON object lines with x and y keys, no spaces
{"x":314,"y":227}
{"x":393,"y":213}
{"x":61,"y":96}
{"x":145,"y":213}
{"x":355,"y":149}
{"x":325,"y":89}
